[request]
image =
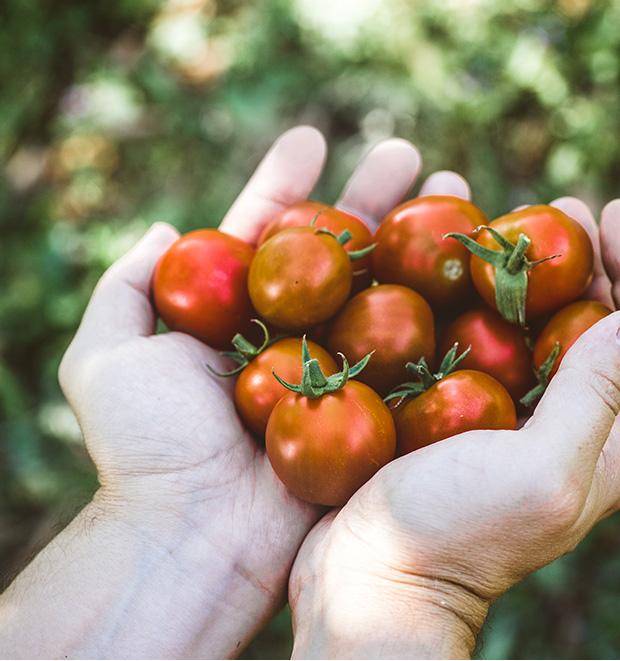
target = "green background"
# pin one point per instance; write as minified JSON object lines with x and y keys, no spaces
{"x":114,"y":115}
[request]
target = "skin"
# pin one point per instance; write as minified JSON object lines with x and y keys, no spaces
{"x":409,"y":567}
{"x":169,"y":560}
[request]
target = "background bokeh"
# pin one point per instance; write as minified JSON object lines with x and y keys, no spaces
{"x":114,"y":115}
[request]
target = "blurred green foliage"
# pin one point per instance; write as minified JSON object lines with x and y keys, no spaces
{"x":117,"y":115}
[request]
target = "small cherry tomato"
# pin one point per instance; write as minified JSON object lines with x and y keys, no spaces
{"x":498,"y":348}
{"x":411,"y":249}
{"x":324,"y":449}
{"x":556,"y":238}
{"x":200,"y":286}
{"x":299,"y":278}
{"x":564,"y":327}
{"x":462,"y":401}
{"x":394,"y":322}
{"x":257,"y":390}
{"x":337,"y":221}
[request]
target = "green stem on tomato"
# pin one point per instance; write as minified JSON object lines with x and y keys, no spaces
{"x":314,"y":383}
{"x":543,"y":377}
{"x":511,"y":270}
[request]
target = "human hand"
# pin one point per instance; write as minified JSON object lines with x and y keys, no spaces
{"x":173,"y":459}
{"x":408,"y":567}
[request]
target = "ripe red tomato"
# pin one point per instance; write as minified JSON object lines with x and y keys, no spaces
{"x":299,"y":278}
{"x":325,"y":449}
{"x":498,"y":348}
{"x":200,"y":286}
{"x":393,"y":321}
{"x":336,"y":221}
{"x":552,"y":283}
{"x":411,"y":249}
{"x":565,"y":326}
{"x":461,"y":401}
{"x":257,"y":391}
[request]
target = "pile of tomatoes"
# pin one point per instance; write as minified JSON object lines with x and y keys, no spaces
{"x":353,"y":347}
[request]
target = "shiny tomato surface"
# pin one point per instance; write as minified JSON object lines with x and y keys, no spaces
{"x":200,"y":286}
{"x":498,"y":348}
{"x":411,"y":249}
{"x":553,"y":283}
{"x":392,"y":321}
{"x":257,"y":390}
{"x":299,"y":278}
{"x":462,"y":401}
{"x":335,"y":220}
{"x":324,"y":449}
{"x":564,"y":327}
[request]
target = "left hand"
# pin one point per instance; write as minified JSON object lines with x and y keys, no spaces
{"x":174,"y":461}
{"x":408,"y":567}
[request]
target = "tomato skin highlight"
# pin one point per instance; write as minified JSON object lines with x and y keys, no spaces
{"x":411,"y":250}
{"x":498,"y":348}
{"x":335,"y":220}
{"x":257,"y":390}
{"x":395,"y":323}
{"x":323,"y":450}
{"x":553,"y":283}
{"x":200,"y":286}
{"x":565,"y":327}
{"x":299,"y":278}
{"x":462,"y":401}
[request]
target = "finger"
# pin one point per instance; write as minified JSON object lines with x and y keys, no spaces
{"x":600,"y":289}
{"x":381,"y":181}
{"x":287,"y":174}
{"x":575,"y":416}
{"x":120,"y":305}
{"x":445,"y":182}
{"x":610,"y":246}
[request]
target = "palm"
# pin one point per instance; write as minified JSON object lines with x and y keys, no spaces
{"x":161,"y":428}
{"x":482,"y":510}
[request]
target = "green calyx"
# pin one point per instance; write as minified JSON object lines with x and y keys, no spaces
{"x":314,"y":383}
{"x":344,"y":237}
{"x":245,"y":351}
{"x":511,"y":269}
{"x":543,"y":377}
{"x":426,"y":379}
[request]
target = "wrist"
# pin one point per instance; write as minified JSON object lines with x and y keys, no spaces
{"x":396,"y":621}
{"x":205,"y":574}
{"x":352,"y":600}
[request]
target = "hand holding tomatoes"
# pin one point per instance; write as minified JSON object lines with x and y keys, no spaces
{"x":177,"y":468}
{"x":440,"y":533}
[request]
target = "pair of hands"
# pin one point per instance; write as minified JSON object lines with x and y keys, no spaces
{"x":411,"y":563}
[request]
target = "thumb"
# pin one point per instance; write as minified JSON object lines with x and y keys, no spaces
{"x":582,"y":401}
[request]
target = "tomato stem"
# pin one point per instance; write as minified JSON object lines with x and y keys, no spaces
{"x":314,"y":383}
{"x":245,"y":351}
{"x":427,"y":380}
{"x":543,"y":377}
{"x":511,"y":269}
